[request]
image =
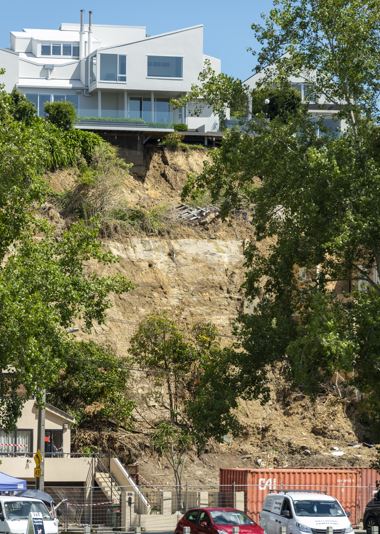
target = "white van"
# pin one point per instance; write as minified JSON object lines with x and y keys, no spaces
{"x":303,"y":512}
{"x":14,"y":515}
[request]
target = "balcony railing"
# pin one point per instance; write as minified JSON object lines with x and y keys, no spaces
{"x":160,"y":120}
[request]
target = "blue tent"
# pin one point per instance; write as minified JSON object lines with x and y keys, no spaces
{"x":8,"y":483}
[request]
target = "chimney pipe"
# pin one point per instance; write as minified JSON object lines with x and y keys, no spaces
{"x":82,"y":50}
{"x":81,"y":20}
{"x":89,"y":46}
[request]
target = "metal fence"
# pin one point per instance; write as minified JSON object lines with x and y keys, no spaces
{"x":89,"y":505}
{"x":84,"y":506}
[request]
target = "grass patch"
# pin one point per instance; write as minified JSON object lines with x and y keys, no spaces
{"x":153,"y":221}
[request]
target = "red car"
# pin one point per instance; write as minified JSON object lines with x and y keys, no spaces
{"x":217,"y":521}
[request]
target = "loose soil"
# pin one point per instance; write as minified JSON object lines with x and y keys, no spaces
{"x":194,"y":271}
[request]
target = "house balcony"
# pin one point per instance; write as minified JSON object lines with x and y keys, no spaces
{"x":130,"y":120}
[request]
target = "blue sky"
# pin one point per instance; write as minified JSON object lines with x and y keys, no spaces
{"x":227,"y":22}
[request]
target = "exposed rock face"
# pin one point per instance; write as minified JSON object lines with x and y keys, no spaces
{"x":192,"y":279}
{"x":194,"y":273}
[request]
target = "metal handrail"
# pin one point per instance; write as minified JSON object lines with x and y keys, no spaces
{"x":111,"y":481}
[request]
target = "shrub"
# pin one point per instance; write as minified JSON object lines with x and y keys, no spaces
{"x":87,"y":141}
{"x":151,"y":221}
{"x":173,"y":140}
{"x":180,"y":127}
{"x":22,"y":109}
{"x":61,"y":114}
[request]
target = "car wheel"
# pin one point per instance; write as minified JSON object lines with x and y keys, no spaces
{"x":371,"y":522}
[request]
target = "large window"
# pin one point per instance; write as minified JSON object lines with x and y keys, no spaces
{"x":141,"y":108}
{"x":60,"y":49}
{"x":327,"y":126}
{"x":162,"y":111}
{"x":16,"y":442}
{"x":113,"y":68}
{"x":306,"y":92}
{"x":53,"y":442}
{"x":165,"y":66}
{"x":39,"y":100}
{"x":92,"y":69}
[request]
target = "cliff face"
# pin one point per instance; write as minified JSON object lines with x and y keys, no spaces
{"x":193,"y":269}
{"x":193,"y":279}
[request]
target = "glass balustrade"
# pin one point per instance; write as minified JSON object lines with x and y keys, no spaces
{"x":133,"y":117}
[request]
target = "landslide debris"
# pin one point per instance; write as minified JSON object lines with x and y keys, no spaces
{"x":193,"y":268}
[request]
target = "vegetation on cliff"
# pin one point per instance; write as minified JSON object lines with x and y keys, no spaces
{"x":45,"y":283}
{"x":315,"y":199}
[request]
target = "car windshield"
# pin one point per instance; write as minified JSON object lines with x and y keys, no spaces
{"x":230,"y":518}
{"x":16,"y":510}
{"x":318,"y":508}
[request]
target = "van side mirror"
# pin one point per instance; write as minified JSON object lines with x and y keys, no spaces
{"x":286,"y":513}
{"x":1,"y":515}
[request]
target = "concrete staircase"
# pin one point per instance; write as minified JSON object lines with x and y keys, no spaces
{"x":108,"y":485}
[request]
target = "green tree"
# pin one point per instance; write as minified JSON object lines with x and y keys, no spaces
{"x":278,"y":101}
{"x":21,"y":108}
{"x":188,"y":365}
{"x":45,"y":280}
{"x":220,"y":91}
{"x":314,"y":201}
{"x":62,"y":114}
{"x":92,"y":387}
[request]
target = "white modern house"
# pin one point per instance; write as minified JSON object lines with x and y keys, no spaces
{"x":114,"y":74}
{"x":317,"y":106}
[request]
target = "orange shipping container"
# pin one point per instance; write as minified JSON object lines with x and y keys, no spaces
{"x":353,"y":487}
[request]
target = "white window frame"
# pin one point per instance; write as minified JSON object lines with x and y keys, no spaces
{"x":58,"y":43}
{"x":117,"y":68}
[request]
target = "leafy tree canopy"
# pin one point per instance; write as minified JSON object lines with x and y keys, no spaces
{"x":62,"y":114}
{"x":194,"y":372}
{"x":92,"y":387}
{"x":314,"y":202}
{"x":220,"y":91}
{"x":45,"y":281}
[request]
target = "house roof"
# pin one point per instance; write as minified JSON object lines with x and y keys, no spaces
{"x":57,"y":411}
{"x":49,"y":83}
{"x":151,"y":37}
{"x":48,"y":35}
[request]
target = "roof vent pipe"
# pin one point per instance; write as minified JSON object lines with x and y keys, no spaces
{"x":89,"y":32}
{"x":81,"y":36}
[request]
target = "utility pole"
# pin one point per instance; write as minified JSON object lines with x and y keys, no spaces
{"x":39,"y":457}
{"x":40,"y":481}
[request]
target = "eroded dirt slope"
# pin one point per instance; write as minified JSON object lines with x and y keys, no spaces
{"x":194,"y":271}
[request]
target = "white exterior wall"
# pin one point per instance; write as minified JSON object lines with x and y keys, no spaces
{"x":9,"y":61}
{"x":187,"y":44}
{"x":109,"y":35}
{"x":205,"y":121}
{"x":29,"y":421}
{"x":256,"y":78}
{"x":68,"y":71}
{"x":62,"y":470}
{"x":33,"y":73}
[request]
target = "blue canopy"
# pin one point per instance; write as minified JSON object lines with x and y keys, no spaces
{"x":8,"y":483}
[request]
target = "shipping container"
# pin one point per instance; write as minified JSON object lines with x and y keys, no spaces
{"x":353,"y":487}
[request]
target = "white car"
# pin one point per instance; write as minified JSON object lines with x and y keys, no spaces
{"x":303,"y":512}
{"x":15,"y":511}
